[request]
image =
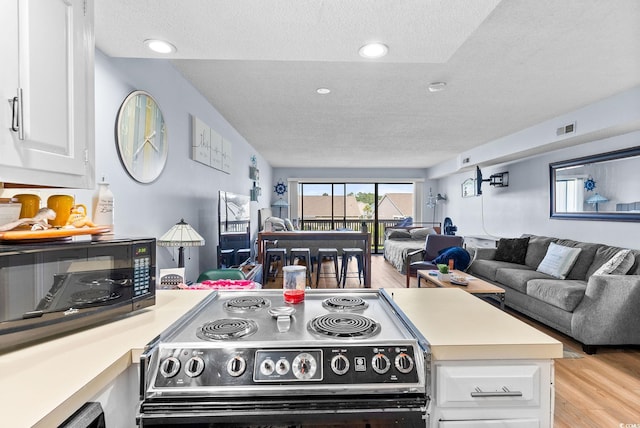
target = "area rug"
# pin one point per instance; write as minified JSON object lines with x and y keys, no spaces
{"x":571,"y":354}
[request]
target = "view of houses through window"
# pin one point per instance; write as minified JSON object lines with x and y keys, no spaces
{"x":349,"y":206}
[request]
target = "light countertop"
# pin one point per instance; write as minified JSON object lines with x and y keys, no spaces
{"x":42,"y":385}
{"x":460,"y":326}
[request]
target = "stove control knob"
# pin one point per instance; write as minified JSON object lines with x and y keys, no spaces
{"x":236,"y":366}
{"x":340,"y":364}
{"x":170,"y":367}
{"x":282,"y":367}
{"x":404,"y":363}
{"x":267,"y":367}
{"x":304,"y":366}
{"x":380,"y":363}
{"x":194,"y":367}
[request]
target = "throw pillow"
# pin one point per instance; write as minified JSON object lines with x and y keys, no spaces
{"x":277,"y":224}
{"x":288,"y":224}
{"x":398,"y":234}
{"x":421,"y":232}
{"x":616,"y":262}
{"x":559,"y":260}
{"x":512,"y":250}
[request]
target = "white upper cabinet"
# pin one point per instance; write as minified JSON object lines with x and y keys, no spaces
{"x":47,"y":88}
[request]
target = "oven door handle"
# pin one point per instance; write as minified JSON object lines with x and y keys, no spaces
{"x":145,"y":360}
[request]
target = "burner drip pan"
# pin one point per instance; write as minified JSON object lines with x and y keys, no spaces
{"x":227,"y":328}
{"x":344,"y":325}
{"x":345,"y":303}
{"x":246,"y":304}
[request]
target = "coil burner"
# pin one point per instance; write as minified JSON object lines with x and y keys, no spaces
{"x":344,"y":325}
{"x":227,"y":328}
{"x":246,"y":304}
{"x":345,"y":303}
{"x":94,"y":295}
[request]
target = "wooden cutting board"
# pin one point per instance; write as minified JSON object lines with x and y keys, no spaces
{"x":26,"y":235}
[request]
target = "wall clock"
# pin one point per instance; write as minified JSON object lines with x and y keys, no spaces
{"x":141,"y":137}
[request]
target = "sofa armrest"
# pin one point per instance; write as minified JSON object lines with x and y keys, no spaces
{"x":608,"y":314}
{"x":481,"y":253}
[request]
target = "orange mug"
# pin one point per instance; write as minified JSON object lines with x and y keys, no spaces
{"x":62,"y":205}
{"x":30,"y":204}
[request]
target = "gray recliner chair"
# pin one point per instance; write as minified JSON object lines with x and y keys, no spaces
{"x":433,"y":244}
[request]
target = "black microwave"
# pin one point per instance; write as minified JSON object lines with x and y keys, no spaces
{"x":52,"y":288}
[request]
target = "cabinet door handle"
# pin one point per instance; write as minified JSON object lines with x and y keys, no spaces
{"x":504,"y":393}
{"x":16,"y":114}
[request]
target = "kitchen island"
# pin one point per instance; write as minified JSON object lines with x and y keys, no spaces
{"x":488,"y":368}
{"x":44,"y":384}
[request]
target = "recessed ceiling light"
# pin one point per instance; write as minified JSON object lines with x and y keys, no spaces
{"x":160,"y":46}
{"x":323,"y":91}
{"x":373,"y":50}
{"x":437,"y":86}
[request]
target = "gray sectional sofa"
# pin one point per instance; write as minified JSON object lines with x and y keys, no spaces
{"x":594,"y":308}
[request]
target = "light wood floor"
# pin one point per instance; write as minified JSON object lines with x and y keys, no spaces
{"x":601,"y":390}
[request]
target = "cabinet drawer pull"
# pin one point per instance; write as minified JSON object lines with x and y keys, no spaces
{"x":504,"y":393}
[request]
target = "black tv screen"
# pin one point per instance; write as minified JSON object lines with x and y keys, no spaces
{"x":478,"y":181}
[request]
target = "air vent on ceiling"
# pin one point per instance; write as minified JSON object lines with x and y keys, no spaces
{"x":567,"y":129}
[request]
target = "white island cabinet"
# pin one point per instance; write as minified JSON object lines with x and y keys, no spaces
{"x":488,"y":369}
{"x":47,"y":93}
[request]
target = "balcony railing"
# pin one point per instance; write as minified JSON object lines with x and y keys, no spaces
{"x":356,"y":224}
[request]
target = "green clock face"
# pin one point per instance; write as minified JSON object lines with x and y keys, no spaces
{"x":141,"y":137}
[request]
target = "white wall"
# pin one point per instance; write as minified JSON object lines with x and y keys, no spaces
{"x":186,"y":189}
{"x":523,"y":207}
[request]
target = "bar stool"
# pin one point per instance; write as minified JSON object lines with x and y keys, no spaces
{"x":347,"y":255}
{"x":327,"y":253}
{"x":302,"y":253}
{"x":275,"y":255}
{"x":226,"y":258}
{"x":242,"y":255}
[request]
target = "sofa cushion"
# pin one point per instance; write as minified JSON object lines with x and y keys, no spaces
{"x":585,"y":258}
{"x":512,"y":250}
{"x":517,"y":278}
{"x":604,"y":254}
{"x":559,"y":260}
{"x":563,"y":294}
{"x":488,"y":268}
{"x":537,"y":249}
{"x":621,"y":261}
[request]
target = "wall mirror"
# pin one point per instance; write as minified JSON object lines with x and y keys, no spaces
{"x":599,"y":187}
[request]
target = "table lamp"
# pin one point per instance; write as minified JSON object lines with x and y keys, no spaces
{"x":181,"y":235}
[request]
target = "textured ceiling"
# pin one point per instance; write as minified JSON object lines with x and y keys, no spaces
{"x":508,"y":65}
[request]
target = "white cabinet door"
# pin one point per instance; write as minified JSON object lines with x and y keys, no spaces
{"x":54,"y":68}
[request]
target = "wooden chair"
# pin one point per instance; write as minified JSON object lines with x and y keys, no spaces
{"x":433,"y":244}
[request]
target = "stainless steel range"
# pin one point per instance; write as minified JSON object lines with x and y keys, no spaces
{"x":246,"y":358}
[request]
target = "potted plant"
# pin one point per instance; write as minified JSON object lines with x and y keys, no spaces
{"x":443,"y":272}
